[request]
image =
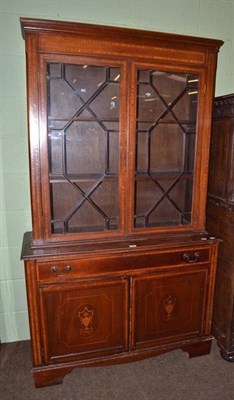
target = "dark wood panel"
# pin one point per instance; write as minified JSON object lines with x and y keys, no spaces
{"x":220,"y":220}
{"x":84,"y":320}
{"x":168,"y":307}
{"x":223,"y":318}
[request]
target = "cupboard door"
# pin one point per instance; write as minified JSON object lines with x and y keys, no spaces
{"x":168,"y":307}
{"x":84,"y":320}
{"x":165,"y":130}
{"x":84,"y":116}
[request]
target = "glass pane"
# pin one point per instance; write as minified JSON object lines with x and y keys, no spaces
{"x":83,"y":135}
{"x":165,"y":148}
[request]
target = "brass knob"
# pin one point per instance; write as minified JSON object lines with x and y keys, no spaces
{"x":55,"y":270}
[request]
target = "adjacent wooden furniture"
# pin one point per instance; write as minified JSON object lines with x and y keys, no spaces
{"x":118,"y":266}
{"x":220,"y":220}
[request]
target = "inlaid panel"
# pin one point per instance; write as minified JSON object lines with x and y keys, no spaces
{"x":83,"y":318}
{"x":168,"y":306}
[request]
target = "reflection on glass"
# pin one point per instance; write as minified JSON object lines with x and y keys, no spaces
{"x":165,"y":148}
{"x":83,"y":135}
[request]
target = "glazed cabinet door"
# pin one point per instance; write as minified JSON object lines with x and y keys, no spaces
{"x":83,"y":118}
{"x":168,"y":307}
{"x":84,"y":320}
{"x":167,"y":129}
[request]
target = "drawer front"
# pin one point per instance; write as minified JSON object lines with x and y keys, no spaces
{"x":70,"y":269}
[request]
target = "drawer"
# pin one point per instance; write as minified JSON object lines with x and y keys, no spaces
{"x":127,"y":263}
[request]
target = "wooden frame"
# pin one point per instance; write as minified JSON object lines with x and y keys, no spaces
{"x":89,"y":291}
{"x":128,"y":48}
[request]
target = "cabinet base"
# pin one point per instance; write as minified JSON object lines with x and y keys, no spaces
{"x":50,"y":376}
{"x":54,"y":374}
{"x":227,"y":356}
{"x":198,"y":349}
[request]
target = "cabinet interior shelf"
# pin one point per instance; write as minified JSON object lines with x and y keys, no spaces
{"x":83,"y":178}
{"x":139,"y":176}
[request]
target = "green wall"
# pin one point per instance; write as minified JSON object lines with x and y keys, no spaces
{"x":208,"y":18}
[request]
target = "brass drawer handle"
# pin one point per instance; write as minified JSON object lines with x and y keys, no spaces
{"x":55,"y":270}
{"x":189,"y":259}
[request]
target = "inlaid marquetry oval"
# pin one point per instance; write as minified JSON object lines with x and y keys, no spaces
{"x":169,"y":307}
{"x":86,"y":320}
